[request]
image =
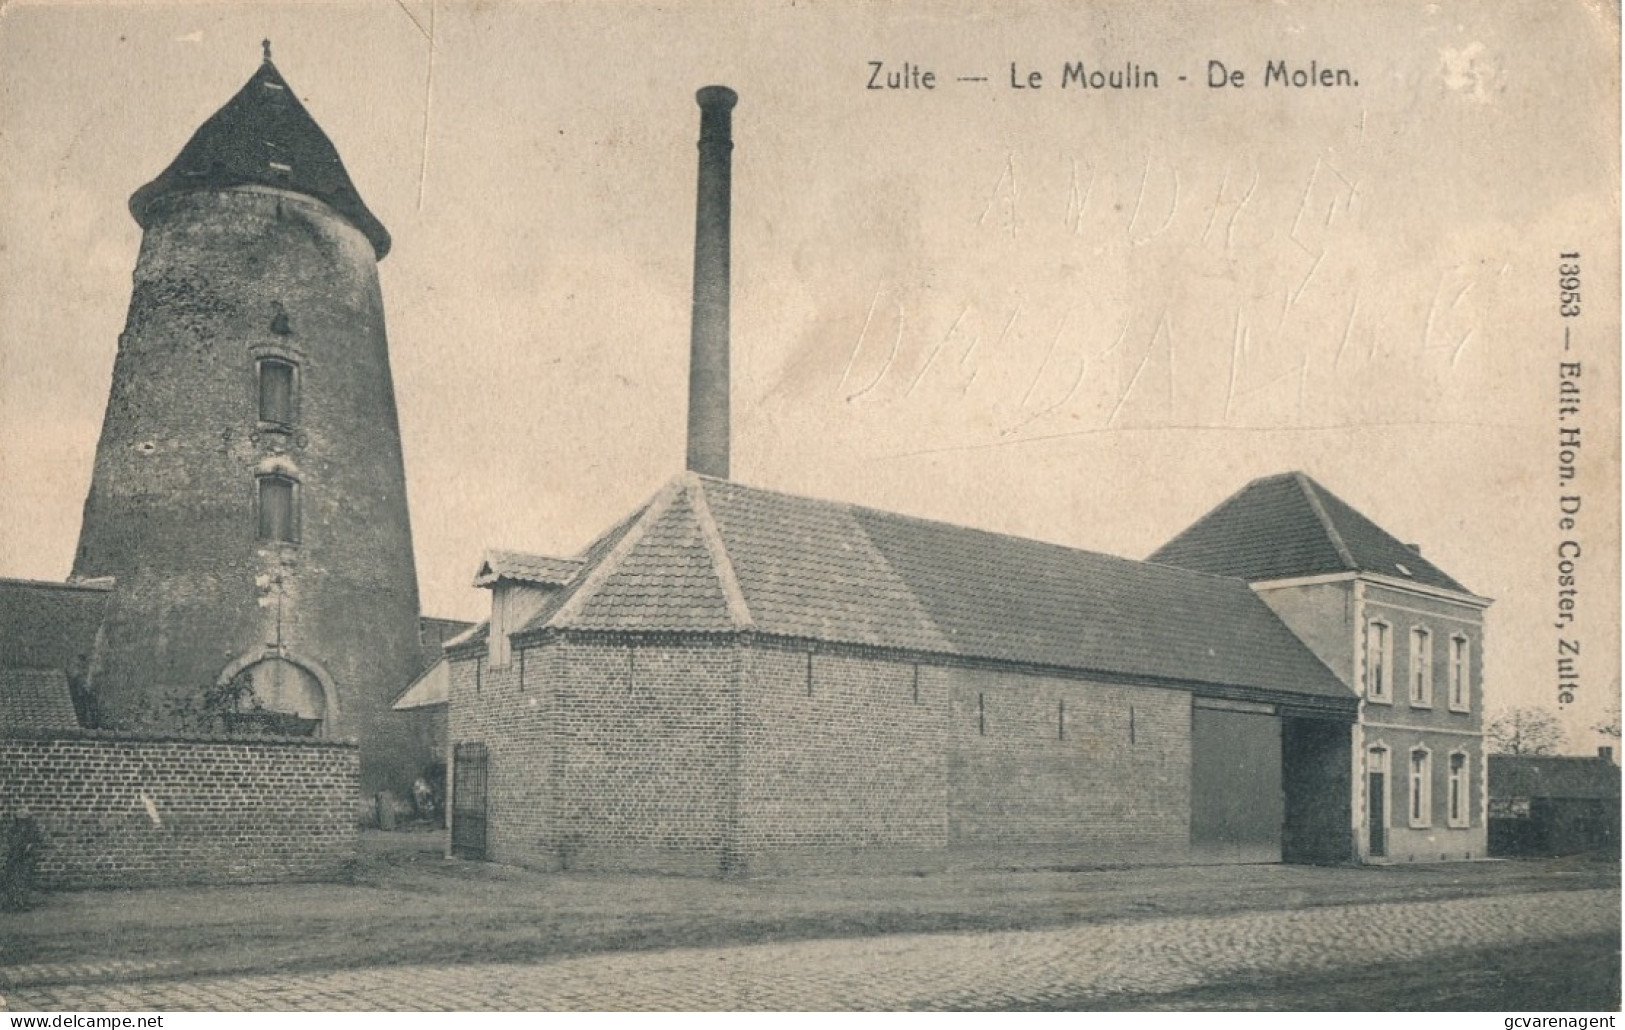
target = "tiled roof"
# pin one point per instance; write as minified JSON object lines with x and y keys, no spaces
{"x":591,"y":558}
{"x":526,"y":568}
{"x":1288,"y":525}
{"x":710,"y":556}
{"x":50,"y":625}
{"x":263,"y":136}
{"x":1553,"y":776}
{"x":35,"y":699}
{"x":432,"y":687}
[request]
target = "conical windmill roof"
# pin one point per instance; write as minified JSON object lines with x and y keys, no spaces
{"x":263,"y":136}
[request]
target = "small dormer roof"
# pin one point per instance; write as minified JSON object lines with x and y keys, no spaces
{"x":521,"y":567}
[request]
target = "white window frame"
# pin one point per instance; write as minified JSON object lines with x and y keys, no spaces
{"x":500,"y":652}
{"x":1460,"y":659}
{"x":1458,"y":811}
{"x":1419,"y":789}
{"x":1379,"y":661}
{"x":1419,"y":684}
{"x":1379,"y":758}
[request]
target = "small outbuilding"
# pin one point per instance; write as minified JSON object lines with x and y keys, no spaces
{"x":1554,"y":804}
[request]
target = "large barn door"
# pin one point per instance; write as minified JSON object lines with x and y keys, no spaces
{"x":470,"y":765}
{"x":1236,"y":796}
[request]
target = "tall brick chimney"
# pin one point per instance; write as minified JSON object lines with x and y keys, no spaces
{"x":708,"y":377}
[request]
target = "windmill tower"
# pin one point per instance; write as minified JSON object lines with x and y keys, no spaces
{"x":249,"y":495}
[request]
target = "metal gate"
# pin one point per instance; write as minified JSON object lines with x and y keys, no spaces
{"x":468,"y":783}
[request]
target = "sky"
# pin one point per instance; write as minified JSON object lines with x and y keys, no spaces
{"x":1086,"y":316}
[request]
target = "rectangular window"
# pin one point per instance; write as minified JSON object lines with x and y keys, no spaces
{"x":277,"y":381}
{"x":1421,"y":789}
{"x":279,"y":509}
{"x":1379,"y":657}
{"x":1421,"y":668}
{"x":1458,"y":789}
{"x":1460,"y":673}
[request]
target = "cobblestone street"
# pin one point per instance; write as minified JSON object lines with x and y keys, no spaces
{"x":939,"y":971}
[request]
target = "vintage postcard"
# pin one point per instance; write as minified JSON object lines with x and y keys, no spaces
{"x":585,"y":506}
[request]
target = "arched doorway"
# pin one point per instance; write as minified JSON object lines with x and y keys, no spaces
{"x":277,"y":695}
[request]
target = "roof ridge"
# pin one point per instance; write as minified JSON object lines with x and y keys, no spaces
{"x":852,"y":506}
{"x":96,"y":584}
{"x":1309,"y":488}
{"x":722,"y":565}
{"x":611,"y":562}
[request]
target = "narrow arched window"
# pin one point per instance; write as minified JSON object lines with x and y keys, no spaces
{"x":278,"y":509}
{"x":1458,"y":789}
{"x":1379,"y":661}
{"x":1421,"y":802}
{"x":1460,"y":666}
{"x":1421,"y":668}
{"x":279,"y":382}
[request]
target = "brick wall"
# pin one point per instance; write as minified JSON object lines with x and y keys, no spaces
{"x":124,"y":811}
{"x":604,"y":754}
{"x":501,"y":708}
{"x":1115,"y":784}
{"x":841,"y":751}
{"x":693,"y":756}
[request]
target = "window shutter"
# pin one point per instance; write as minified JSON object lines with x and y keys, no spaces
{"x":278,"y":516}
{"x":276,"y":392}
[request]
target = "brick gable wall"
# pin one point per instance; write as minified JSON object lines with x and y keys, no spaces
{"x":603,"y":754}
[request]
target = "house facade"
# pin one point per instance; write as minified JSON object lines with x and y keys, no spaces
{"x":1399,"y":631}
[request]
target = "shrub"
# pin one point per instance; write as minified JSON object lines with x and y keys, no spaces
{"x":22,"y":841}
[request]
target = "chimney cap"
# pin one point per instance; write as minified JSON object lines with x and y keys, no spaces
{"x":716,"y":97}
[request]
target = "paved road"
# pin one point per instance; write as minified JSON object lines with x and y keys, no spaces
{"x":898,"y":972}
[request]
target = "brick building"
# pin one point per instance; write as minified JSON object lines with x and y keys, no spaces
{"x":49,"y":634}
{"x":737,"y":678}
{"x":733,"y":678}
{"x":1395,"y":628}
